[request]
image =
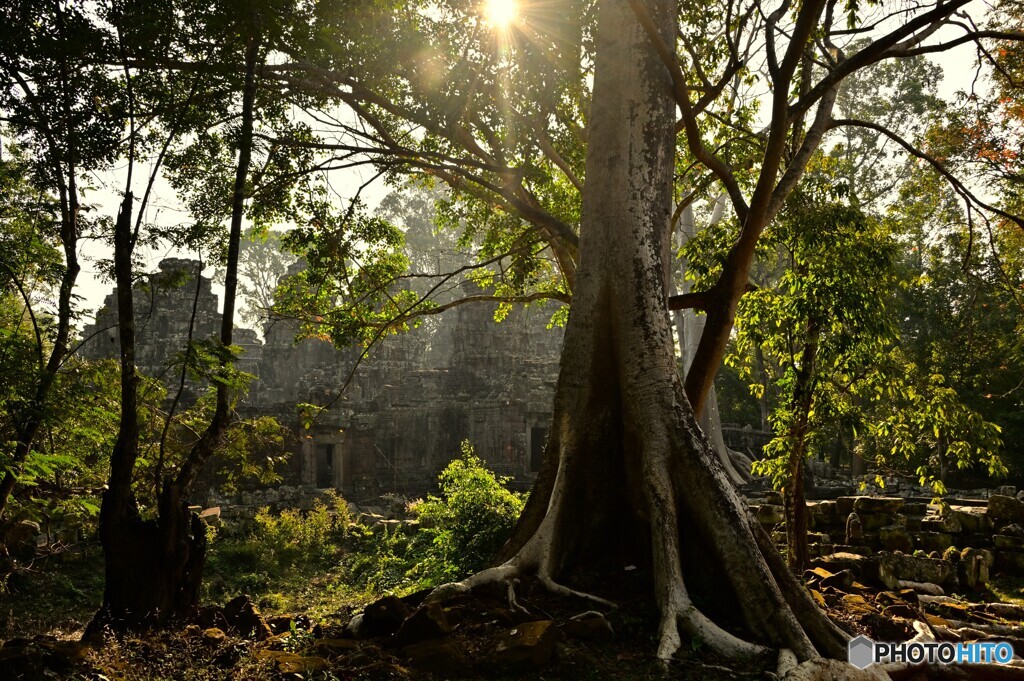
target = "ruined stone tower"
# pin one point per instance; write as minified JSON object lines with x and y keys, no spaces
{"x":408,"y":405}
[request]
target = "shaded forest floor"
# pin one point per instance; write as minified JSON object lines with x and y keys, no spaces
{"x":308,"y":608}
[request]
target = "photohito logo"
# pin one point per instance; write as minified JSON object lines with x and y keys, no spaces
{"x":862,"y":652}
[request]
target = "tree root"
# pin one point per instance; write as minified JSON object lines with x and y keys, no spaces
{"x":823,"y":669}
{"x":561,"y":590}
{"x":534,"y":559}
{"x":677,"y":609}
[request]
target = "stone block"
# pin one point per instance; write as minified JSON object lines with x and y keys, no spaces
{"x":917,"y":508}
{"x":1008,"y":542}
{"x":948,"y":524}
{"x":1010,"y":562}
{"x":1005,"y":508}
{"x":856,"y":605}
{"x":973,"y":520}
{"x":895,"y":538}
{"x":844,"y":505}
{"x":934,"y":541}
{"x":528,"y":647}
{"x":769,"y":514}
{"x":865,"y":568}
{"x":896,"y":567}
{"x":383,"y":617}
{"x":332,"y":648}
{"x":243,"y":615}
{"x":292,"y":663}
{"x":428,"y":621}
{"x":877,"y":520}
{"x":1008,"y":611}
{"x":890,"y":505}
{"x":973,"y":568}
{"x":211,"y":516}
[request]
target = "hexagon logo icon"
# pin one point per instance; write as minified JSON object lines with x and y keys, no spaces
{"x":861,"y":652}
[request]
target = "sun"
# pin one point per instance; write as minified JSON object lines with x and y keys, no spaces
{"x":501,"y":14}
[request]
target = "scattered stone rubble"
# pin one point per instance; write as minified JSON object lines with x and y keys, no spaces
{"x":898,"y":566}
{"x":986,"y":533}
{"x":463,"y":634}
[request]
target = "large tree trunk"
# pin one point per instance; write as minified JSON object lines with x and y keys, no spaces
{"x":628,"y":476}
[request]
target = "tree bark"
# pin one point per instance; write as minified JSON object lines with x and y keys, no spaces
{"x":29,"y":423}
{"x":149,"y":563}
{"x":625,"y":458}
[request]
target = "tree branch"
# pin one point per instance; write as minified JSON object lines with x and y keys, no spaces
{"x":937,"y":165}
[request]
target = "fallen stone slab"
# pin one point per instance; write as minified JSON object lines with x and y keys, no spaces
{"x":332,"y":648}
{"x":889,"y":505}
{"x":857,"y":604}
{"x":922,"y":588}
{"x":865,"y":568}
{"x":1005,"y":508}
{"x":291,"y":663}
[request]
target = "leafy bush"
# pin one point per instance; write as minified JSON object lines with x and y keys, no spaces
{"x":460,"y":532}
{"x":469,"y":522}
{"x":384,"y":560}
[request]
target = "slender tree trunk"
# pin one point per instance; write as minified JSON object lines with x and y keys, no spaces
{"x":628,"y":476}
{"x":794,"y":497}
{"x":762,"y":401}
{"x":154,"y":567}
{"x":213,"y":435}
{"x":689,"y":327}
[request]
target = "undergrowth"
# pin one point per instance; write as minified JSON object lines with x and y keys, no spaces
{"x":316,"y":561}
{"x":320,"y":560}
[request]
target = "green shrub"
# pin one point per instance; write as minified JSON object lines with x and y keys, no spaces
{"x":460,"y":532}
{"x":468,"y":523}
{"x":279,"y":542}
{"x":382,"y":561}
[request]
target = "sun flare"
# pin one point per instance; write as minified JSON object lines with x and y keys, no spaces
{"x":501,"y":14}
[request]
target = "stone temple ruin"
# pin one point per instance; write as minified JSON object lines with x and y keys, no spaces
{"x":409,"y":405}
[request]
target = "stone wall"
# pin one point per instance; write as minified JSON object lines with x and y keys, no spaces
{"x":408,"y":404}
